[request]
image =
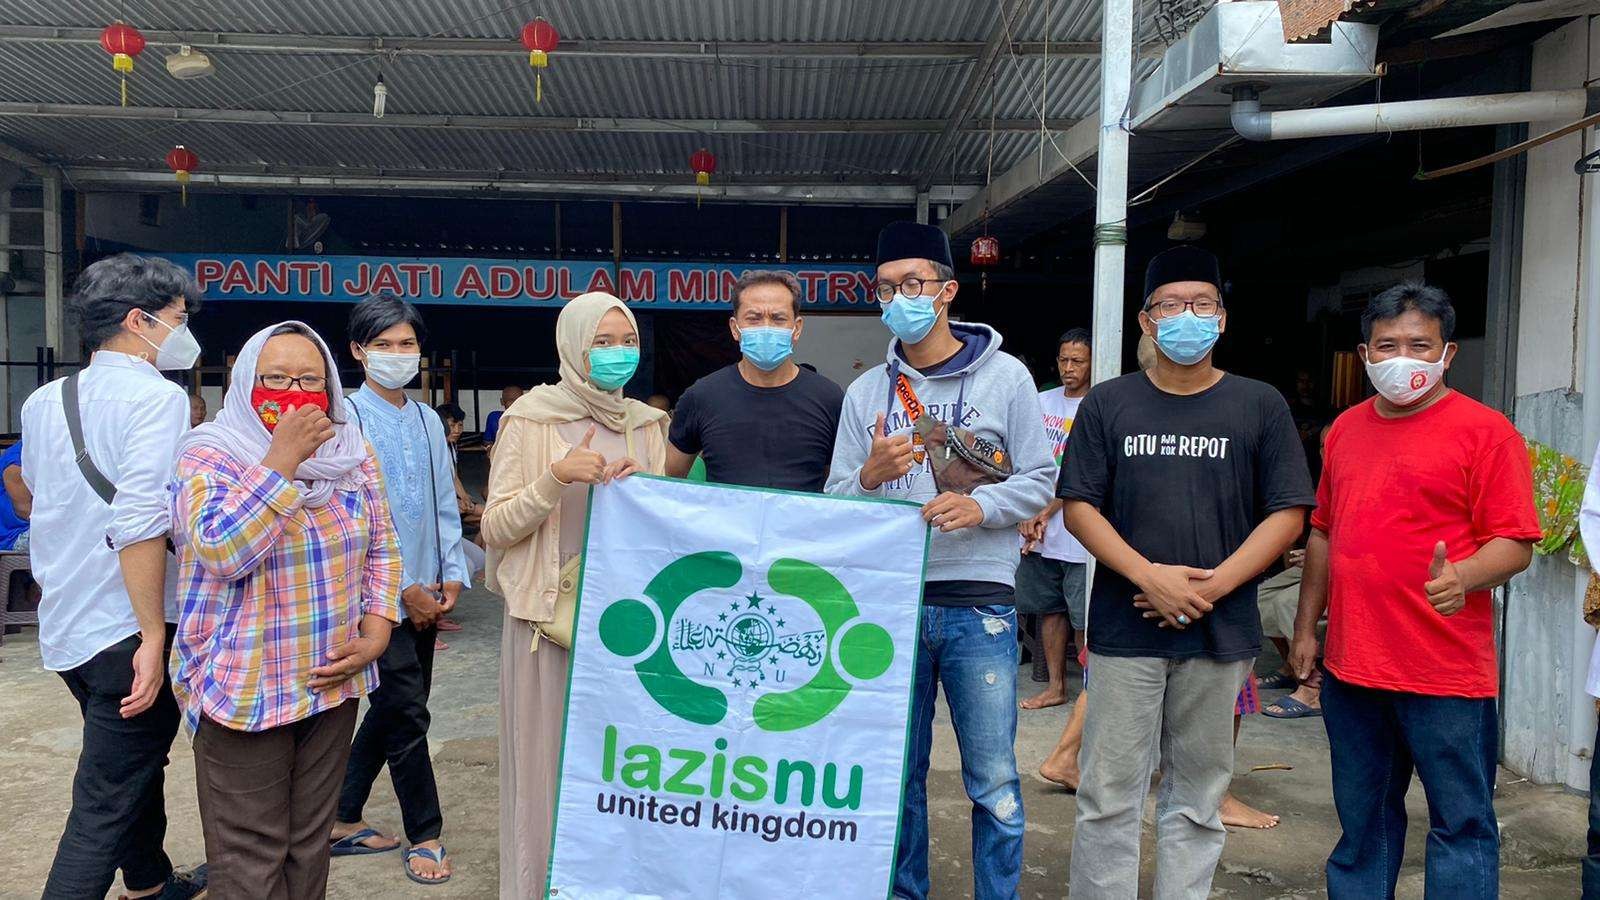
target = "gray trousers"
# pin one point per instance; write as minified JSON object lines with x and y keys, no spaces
{"x":1188,"y":705}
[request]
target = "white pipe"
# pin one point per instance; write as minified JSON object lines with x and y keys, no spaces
{"x":1409,"y":115}
{"x":1111,"y":191}
{"x":1580,"y":707}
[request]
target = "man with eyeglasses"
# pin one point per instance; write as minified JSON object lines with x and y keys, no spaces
{"x":99,"y":551}
{"x":953,"y":374}
{"x":1184,"y":483}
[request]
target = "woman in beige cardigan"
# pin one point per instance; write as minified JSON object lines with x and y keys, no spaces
{"x":555,"y":444}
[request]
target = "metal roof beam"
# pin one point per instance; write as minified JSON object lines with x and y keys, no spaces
{"x":976,"y":76}
{"x":30,"y":163}
{"x":509,"y":123}
{"x":1061,"y":154}
{"x":784,"y":190}
{"x":459,"y":46}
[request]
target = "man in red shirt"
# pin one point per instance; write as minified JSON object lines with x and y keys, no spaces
{"x":1425,"y":505}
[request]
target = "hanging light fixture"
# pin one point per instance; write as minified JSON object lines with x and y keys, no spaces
{"x":541,"y":38}
{"x":703,"y":162}
{"x":123,"y":42}
{"x":181,"y":160}
{"x":380,"y":98}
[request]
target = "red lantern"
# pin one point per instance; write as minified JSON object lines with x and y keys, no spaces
{"x":181,"y":160}
{"x":985,"y":251}
{"x":123,"y":42}
{"x":703,"y":162}
{"x":541,"y":38}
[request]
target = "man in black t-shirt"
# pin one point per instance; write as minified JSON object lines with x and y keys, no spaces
{"x":1184,"y":483}
{"x":764,"y":421}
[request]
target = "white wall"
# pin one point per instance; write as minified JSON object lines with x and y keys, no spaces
{"x":1548,"y":722}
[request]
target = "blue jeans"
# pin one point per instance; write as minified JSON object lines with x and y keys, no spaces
{"x":1376,"y":739}
{"x":973,"y":653}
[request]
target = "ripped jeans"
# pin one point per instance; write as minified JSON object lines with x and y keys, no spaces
{"x":972,"y":651}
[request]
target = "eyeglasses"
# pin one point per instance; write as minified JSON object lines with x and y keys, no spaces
{"x":910,"y":287}
{"x":312,"y":383}
{"x":1205,"y":307}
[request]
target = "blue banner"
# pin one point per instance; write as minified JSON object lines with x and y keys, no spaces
{"x":501,"y":282}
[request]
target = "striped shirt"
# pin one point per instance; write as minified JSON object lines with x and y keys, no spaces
{"x":267,"y":586}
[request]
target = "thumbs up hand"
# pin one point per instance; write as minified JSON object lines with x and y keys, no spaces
{"x":1444,"y":588}
{"x":581,"y":464}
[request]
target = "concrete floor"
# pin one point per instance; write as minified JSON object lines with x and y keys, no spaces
{"x":1543,"y":827}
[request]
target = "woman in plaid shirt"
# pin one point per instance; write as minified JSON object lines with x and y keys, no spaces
{"x":289,"y":581}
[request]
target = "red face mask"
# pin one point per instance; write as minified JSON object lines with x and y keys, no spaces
{"x":270,"y":405}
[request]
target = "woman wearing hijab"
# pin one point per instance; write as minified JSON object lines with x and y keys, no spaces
{"x":555,"y":443}
{"x":289,"y":581}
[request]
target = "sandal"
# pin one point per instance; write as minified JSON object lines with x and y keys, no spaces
{"x":1277,"y":681}
{"x":352,"y":845}
{"x":436,"y":855}
{"x":1289,"y":708}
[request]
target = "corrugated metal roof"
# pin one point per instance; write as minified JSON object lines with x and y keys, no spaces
{"x":859,"y":88}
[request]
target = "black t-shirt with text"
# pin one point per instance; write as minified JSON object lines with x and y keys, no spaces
{"x":779,"y":437}
{"x":1183,"y":479}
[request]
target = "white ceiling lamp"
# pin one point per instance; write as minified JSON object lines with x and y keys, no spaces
{"x":1183,"y":229}
{"x":189,"y":63}
{"x":380,"y":98}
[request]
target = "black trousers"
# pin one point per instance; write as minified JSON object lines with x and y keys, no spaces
{"x":119,"y":814}
{"x":395,"y":731}
{"x":1591,"y":862}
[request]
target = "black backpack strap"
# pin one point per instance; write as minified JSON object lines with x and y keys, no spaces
{"x":91,"y":472}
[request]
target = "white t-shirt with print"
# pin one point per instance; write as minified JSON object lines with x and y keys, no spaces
{"x":1059,"y":410}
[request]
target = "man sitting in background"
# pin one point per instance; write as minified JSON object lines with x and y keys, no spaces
{"x":491,"y":426}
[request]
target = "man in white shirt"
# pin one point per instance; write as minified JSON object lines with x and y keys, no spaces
{"x":1051,"y":581}
{"x":104,"y":569}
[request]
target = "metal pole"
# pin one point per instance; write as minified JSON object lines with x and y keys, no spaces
{"x":55,"y":325}
{"x":1580,"y":709}
{"x":1111,"y":192}
{"x":922,"y":207}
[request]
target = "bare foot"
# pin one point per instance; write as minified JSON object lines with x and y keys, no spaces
{"x":1050,"y":696}
{"x":1064,"y":773}
{"x":380,"y":841}
{"x":1238,"y":815}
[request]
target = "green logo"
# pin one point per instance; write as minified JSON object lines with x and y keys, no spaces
{"x":806,"y":631}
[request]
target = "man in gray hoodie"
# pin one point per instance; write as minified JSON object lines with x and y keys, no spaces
{"x":955,"y":373}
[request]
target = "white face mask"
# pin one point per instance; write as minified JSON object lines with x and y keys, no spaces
{"x":1403,"y":380}
{"x":177,"y":351}
{"x":392,"y":370}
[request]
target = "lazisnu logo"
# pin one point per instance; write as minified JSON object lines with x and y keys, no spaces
{"x":797,"y":648}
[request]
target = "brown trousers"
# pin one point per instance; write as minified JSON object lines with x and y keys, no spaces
{"x":267,"y":803}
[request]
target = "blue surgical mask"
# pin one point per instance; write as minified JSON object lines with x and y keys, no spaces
{"x":765,"y":346}
{"x":611,"y":367}
{"x":910,"y":318}
{"x":1186,"y":338}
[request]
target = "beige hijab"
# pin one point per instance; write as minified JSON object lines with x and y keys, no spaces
{"x":574,"y":397}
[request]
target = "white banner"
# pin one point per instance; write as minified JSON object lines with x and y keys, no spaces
{"x":740,"y":686}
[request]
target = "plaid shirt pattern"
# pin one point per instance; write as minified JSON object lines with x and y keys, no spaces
{"x":267,"y":586}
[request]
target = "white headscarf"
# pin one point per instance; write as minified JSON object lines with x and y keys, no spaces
{"x":239,"y":432}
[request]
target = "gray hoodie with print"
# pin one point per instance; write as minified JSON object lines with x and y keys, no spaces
{"x":981,"y":389}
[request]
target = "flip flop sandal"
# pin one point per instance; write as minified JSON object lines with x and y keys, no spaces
{"x":1278,"y":681}
{"x":352,"y":845}
{"x":1289,"y":708}
{"x":436,"y":855}
{"x":449,"y":625}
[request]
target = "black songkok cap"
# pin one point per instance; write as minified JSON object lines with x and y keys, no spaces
{"x":913,"y":240}
{"x":1185,"y":262}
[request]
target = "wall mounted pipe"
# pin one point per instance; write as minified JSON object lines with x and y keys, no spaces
{"x":1408,"y":115}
